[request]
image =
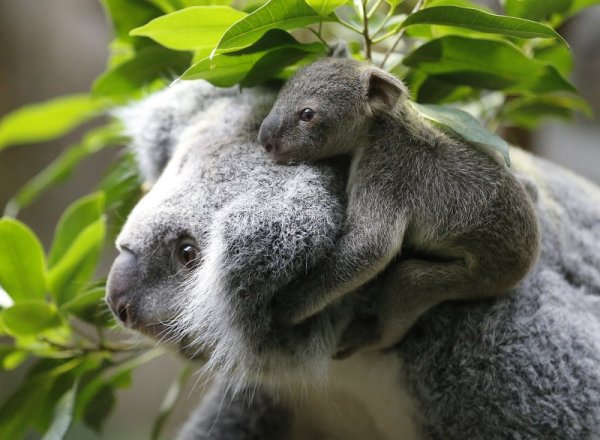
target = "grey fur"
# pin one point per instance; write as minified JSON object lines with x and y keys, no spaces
{"x":460,"y":221}
{"x":522,"y":366}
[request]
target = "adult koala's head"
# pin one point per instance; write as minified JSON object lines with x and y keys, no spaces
{"x":222,"y":230}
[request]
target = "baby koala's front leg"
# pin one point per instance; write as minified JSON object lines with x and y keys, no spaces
{"x":372,"y":238}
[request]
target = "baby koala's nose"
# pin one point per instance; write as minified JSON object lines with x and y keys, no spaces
{"x":270,"y":147}
{"x":266,"y":134}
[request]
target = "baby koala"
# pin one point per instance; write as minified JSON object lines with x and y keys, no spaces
{"x":461,"y":224}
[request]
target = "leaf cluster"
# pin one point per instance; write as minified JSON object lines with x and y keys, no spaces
{"x":470,"y":70}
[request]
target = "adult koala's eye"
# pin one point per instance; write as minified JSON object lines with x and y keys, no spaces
{"x":307,"y":114}
{"x":188,"y":255}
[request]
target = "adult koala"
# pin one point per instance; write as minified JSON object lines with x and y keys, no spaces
{"x":223,"y":229}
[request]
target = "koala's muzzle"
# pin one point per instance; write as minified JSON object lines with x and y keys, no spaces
{"x":267,"y":133}
{"x":121,"y":287}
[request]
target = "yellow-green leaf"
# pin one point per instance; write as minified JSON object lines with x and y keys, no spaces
{"x":198,"y":27}
{"x":62,"y":167}
{"x":482,"y":21}
{"x":258,"y":63}
{"x":22,"y":262}
{"x":149,"y":64}
{"x":46,"y":120}
{"x":275,"y":14}
{"x":70,"y":274}
{"x":536,"y":9}
{"x":487,"y":64}
{"x":325,"y":7}
{"x":73,"y":221}
{"x":30,"y":318}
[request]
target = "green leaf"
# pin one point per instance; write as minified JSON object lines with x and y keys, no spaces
{"x":100,"y":407}
{"x":557,"y":55}
{"x":128,"y":14}
{"x":578,"y":5}
{"x":459,"y":3}
{"x":70,"y":274}
{"x":76,"y":217}
{"x":46,"y":382}
{"x":46,"y":120}
{"x":22,"y":262}
{"x":89,"y":306}
{"x":11,"y":359}
{"x":63,"y":415}
{"x":62,"y":167}
{"x":275,"y":14}
{"x":122,"y":187}
{"x":529,"y":112}
{"x":168,"y":6}
{"x":255,"y":64}
{"x":535,"y":9}
{"x":272,"y":63}
{"x":30,"y":318}
{"x":434,"y":90}
{"x":482,"y":22}
{"x":194,"y":28}
{"x":31,"y":394}
{"x":325,"y":7}
{"x":487,"y":64}
{"x":149,"y":64}
{"x":465,"y":126}
{"x":97,"y":397}
{"x":170,"y":400}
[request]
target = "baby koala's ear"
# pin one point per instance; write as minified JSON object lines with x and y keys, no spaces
{"x":384,"y":90}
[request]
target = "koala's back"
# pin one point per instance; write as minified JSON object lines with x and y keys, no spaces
{"x":453,"y":192}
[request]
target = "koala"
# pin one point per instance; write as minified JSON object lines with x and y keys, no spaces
{"x":463,"y":225}
{"x":224,"y":230}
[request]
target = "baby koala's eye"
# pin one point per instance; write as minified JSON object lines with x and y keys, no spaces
{"x":188,"y":255}
{"x":307,"y":114}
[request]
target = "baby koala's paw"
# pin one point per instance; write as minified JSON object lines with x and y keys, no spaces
{"x":290,"y":304}
{"x":360,"y":333}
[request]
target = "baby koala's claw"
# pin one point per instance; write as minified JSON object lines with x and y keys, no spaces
{"x":293,"y":305}
{"x":360,"y":333}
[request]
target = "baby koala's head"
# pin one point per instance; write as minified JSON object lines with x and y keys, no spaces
{"x":325,"y":108}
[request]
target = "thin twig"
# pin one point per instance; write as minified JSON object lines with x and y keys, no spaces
{"x":400,"y":34}
{"x":374,"y":8}
{"x":365,"y":31}
{"x":318,"y":35}
{"x":384,"y":22}
{"x":349,"y":26}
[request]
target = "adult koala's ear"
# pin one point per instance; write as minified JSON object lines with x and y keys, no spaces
{"x":339,"y":50}
{"x":155,"y":123}
{"x":384,"y":90}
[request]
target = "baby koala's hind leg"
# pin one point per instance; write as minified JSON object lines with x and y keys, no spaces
{"x":416,"y":286}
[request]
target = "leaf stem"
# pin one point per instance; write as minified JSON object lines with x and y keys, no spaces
{"x":365,"y":30}
{"x":349,"y":26}
{"x":374,"y":8}
{"x":319,"y":36}
{"x":383,"y":23}
{"x":417,"y":6}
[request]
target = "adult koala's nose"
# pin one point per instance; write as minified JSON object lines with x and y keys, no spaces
{"x":120,"y":288}
{"x":266,"y":133}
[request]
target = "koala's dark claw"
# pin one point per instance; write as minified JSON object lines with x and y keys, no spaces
{"x":360,"y":333}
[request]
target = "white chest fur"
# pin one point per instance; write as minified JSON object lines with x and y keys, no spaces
{"x":365,"y":398}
